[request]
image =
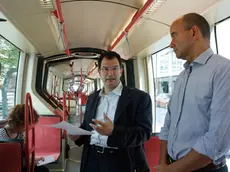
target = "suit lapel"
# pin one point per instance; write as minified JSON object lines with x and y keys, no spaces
{"x":122,"y":103}
{"x":93,"y":107}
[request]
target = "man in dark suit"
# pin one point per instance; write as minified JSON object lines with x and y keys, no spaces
{"x":120,"y":119}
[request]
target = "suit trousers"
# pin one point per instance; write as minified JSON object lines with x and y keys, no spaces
{"x":221,"y":169}
{"x":117,"y":161}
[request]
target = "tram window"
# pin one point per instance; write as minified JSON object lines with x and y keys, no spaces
{"x":223,"y":36}
{"x":166,"y":69}
{"x":165,"y":86}
{"x":213,"y":41}
{"x":9,"y":58}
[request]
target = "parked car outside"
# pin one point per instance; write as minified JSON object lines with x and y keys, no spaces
{"x":162,"y":100}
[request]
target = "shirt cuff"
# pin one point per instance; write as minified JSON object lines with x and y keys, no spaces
{"x":163,"y":134}
{"x":205,"y":147}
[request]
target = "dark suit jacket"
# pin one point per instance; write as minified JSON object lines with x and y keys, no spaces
{"x":132,"y":126}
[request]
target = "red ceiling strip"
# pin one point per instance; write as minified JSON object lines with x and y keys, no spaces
{"x":58,"y":14}
{"x":136,"y":16}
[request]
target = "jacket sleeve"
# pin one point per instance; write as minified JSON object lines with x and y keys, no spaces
{"x":133,"y":136}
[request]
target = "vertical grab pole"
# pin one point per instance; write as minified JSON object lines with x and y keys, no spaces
{"x":29,"y":125}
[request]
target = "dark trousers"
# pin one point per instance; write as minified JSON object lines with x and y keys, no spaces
{"x":41,"y":169}
{"x":205,"y":169}
{"x":222,"y":169}
{"x":38,"y":169}
{"x":117,"y":161}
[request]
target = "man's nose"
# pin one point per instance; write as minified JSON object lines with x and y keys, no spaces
{"x":110,"y":72}
{"x":172,"y":45}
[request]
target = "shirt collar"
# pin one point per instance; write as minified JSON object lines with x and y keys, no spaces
{"x":116,"y":90}
{"x":201,"y":59}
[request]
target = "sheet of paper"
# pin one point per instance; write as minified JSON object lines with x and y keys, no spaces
{"x":71,"y":129}
{"x":46,"y":160}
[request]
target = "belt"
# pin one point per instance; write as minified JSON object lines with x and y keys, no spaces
{"x":103,"y":150}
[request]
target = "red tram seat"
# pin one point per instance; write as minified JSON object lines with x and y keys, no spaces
{"x":152,"y":149}
{"x":47,"y":139}
{"x":11,"y":155}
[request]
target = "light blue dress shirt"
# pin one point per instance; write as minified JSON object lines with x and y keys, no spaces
{"x":198,"y":114}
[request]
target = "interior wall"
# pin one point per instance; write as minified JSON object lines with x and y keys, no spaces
{"x":39,"y":104}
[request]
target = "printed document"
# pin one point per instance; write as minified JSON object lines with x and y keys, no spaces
{"x":71,"y":129}
{"x":46,"y":160}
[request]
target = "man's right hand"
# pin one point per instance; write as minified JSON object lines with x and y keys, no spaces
{"x":74,"y":138}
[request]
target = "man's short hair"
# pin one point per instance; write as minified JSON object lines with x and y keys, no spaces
{"x":109,"y":55}
{"x":192,"y":19}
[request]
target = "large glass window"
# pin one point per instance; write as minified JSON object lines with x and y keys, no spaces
{"x":9,"y":58}
{"x":213,"y":41}
{"x":223,"y":36}
{"x":166,"y":69}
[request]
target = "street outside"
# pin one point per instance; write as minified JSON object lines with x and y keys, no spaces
{"x":160,"y":117}
{"x":10,"y":101}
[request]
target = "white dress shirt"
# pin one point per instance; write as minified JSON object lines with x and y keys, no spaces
{"x":107,"y":105}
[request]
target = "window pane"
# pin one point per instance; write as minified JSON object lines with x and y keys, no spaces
{"x":213,"y":41}
{"x":9,"y":58}
{"x":166,"y":69}
{"x":223,"y":36}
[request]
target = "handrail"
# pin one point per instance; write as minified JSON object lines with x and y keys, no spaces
{"x":29,"y":114}
{"x":58,"y":14}
{"x":135,"y":18}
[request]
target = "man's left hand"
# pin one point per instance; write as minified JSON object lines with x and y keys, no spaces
{"x":164,"y":168}
{"x":103,"y":128}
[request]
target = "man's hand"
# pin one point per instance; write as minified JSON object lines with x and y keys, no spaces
{"x":165,"y":168}
{"x":74,"y":138}
{"x":162,"y":168}
{"x":38,"y":159}
{"x":103,"y":128}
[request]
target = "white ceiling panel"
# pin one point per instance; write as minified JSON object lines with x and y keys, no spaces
{"x":94,"y":24}
{"x":33,"y":22}
{"x":127,"y":3}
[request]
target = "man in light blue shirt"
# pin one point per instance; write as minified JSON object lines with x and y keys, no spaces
{"x":195,"y":133}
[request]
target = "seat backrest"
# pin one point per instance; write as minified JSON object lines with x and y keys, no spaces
{"x":11,"y":155}
{"x":48,"y":140}
{"x":152,"y":149}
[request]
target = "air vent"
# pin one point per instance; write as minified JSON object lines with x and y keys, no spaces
{"x":85,"y":55}
{"x":47,"y":4}
{"x":154,"y":6}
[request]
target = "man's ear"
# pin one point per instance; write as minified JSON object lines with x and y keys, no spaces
{"x":121,"y":70}
{"x":195,"y":32}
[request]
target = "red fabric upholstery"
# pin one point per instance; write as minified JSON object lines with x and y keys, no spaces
{"x":10,"y":156}
{"x":152,"y":149}
{"x":47,"y":139}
